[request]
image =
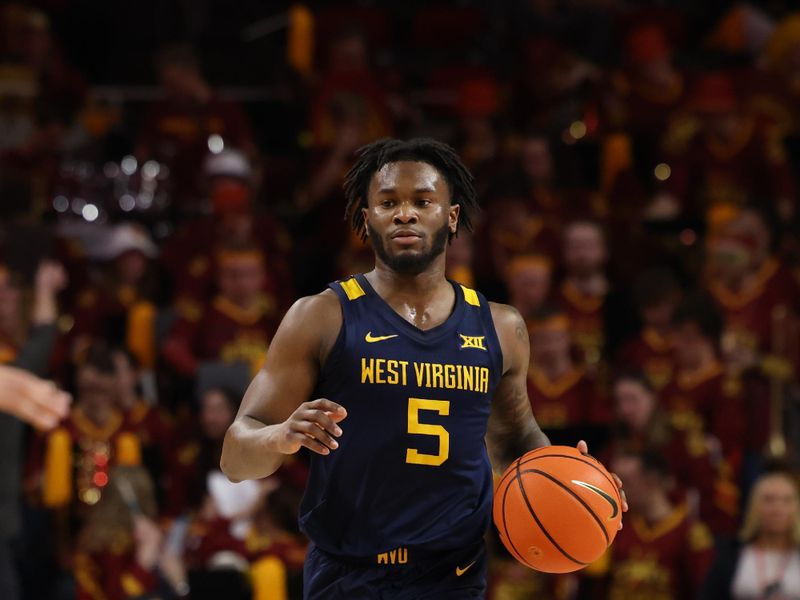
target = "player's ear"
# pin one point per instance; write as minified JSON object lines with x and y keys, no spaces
{"x":455,"y":210}
{"x":365,"y":214}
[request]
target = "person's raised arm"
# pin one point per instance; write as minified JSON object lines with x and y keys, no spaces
{"x":277,"y":417}
{"x":513,"y":430}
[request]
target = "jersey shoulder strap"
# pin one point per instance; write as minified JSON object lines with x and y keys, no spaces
{"x":348,"y":289}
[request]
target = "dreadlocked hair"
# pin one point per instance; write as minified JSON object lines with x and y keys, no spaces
{"x":372,"y":157}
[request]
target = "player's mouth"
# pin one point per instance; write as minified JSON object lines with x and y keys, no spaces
{"x":405,"y":237}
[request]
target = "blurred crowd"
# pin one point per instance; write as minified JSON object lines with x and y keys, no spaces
{"x":636,"y":164}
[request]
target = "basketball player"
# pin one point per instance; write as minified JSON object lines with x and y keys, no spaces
{"x":394,"y":379}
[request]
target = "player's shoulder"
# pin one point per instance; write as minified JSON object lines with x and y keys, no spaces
{"x":316,"y":309}
{"x":507,"y":319}
{"x":312,"y":322}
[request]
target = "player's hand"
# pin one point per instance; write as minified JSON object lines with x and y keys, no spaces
{"x":583,"y":448}
{"x":314,"y":426}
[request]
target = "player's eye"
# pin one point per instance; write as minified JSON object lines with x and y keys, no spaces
{"x":423,"y":202}
{"x":387,"y":203}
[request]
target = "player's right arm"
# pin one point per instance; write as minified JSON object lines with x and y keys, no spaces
{"x":276,"y":417}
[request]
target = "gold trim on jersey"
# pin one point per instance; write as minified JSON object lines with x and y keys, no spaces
{"x":471,"y":296}
{"x":352,"y":288}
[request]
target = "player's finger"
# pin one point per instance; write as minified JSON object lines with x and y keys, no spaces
{"x":624,"y":498}
{"x":313,"y":430}
{"x":323,"y":420}
{"x":583,"y":447}
{"x":314,"y":445}
{"x":338,"y":412}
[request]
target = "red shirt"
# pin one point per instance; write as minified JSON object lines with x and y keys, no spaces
{"x":586,"y":315}
{"x":111,"y":575}
{"x":707,"y":401}
{"x":749,"y":311}
{"x":651,"y":353}
{"x":665,"y":561}
{"x":177,"y":134}
{"x":223,"y":332}
{"x":569,"y":401}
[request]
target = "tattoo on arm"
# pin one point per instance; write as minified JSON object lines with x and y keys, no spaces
{"x":513,"y":430}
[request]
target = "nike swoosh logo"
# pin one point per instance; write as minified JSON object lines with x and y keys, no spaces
{"x":460,"y":571}
{"x":378,"y":338}
{"x":602,"y":494}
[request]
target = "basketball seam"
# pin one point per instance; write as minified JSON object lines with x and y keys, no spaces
{"x":505,"y":527}
{"x":586,"y":462}
{"x":574,"y":495}
{"x":539,"y":523}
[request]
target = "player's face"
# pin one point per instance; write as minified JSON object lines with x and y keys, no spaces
{"x":777,"y":506}
{"x":635,"y":404}
{"x":409,"y":216}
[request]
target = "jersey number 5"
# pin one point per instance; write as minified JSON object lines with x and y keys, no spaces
{"x":442,"y":407}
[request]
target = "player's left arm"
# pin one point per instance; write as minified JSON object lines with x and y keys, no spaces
{"x":513,"y":430}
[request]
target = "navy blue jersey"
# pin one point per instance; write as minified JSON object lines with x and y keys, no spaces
{"x":411,"y":470}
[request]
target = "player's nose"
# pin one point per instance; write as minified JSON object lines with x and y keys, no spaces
{"x":405,"y":213}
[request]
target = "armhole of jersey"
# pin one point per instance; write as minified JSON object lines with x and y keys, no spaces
{"x":335,"y":351}
{"x":488,"y":319}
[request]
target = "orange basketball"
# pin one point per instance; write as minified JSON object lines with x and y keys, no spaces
{"x":557,"y":510}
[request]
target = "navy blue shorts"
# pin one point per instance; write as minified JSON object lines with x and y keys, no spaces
{"x":442,"y":576}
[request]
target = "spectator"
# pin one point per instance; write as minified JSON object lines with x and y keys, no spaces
{"x":643,"y":426}
{"x":119,"y":546}
{"x":765,"y":562}
{"x":236,"y":326}
{"x":188,"y":123}
{"x":529,"y":283}
{"x":657,"y":293}
{"x":119,"y":305}
{"x":662,"y":552}
{"x":152,"y":424}
{"x":565,"y":400}
{"x":585,"y":287}
{"x":700,"y":398}
{"x":74,"y":459}
{"x":198,"y":452}
{"x":190,"y":253}
{"x":729,"y":162}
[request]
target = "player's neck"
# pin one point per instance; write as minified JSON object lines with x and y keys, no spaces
{"x":388,"y":282}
